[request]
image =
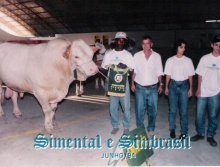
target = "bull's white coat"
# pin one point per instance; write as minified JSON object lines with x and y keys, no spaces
{"x":45,"y":70}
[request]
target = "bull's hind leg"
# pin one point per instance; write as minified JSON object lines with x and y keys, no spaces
{"x":1,"y":100}
{"x":16,"y":110}
{"x":2,"y":96}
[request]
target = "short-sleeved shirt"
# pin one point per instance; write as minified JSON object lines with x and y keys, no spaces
{"x":209,"y":69}
{"x":179,"y":69}
{"x":147,"y":70}
{"x":116,"y":57}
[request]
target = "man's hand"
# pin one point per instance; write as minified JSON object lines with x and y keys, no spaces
{"x":190,"y":93}
{"x":133,"y":88}
{"x":160,"y":89}
{"x":198,"y":92}
{"x":130,"y":72}
{"x":166,"y":91}
{"x":121,"y":65}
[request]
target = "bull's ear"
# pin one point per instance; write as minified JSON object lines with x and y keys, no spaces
{"x":66,"y":54}
{"x":94,"y":48}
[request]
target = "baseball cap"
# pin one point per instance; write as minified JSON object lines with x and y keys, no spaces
{"x":121,"y":35}
{"x":216,"y":39}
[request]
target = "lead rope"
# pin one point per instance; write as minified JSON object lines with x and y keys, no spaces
{"x":102,"y":74}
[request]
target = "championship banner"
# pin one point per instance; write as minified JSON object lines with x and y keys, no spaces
{"x":117,"y":79}
{"x":135,"y":148}
{"x":142,"y":153}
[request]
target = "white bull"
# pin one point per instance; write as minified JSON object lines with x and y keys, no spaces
{"x":45,"y":70}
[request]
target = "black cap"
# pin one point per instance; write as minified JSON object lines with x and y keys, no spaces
{"x":216,"y":39}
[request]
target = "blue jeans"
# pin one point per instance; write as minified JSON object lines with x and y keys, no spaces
{"x":212,"y":104}
{"x":178,"y":97}
{"x":146,"y":99}
{"x":125,"y":104}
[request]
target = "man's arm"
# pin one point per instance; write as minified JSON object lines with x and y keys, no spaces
{"x":198,"y":92}
{"x":132,"y":82}
{"x":167,"y":84}
{"x":160,"y":88}
{"x":190,"y":86}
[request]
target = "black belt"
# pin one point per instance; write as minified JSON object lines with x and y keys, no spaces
{"x":149,"y":86}
{"x":179,"y":82}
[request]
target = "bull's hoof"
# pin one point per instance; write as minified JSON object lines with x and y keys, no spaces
{"x":45,"y":131}
{"x":55,"y":126}
{"x":49,"y":129}
{"x":17,"y":115}
{"x":2,"y":114}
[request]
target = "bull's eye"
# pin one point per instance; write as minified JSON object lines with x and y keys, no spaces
{"x":76,"y":57}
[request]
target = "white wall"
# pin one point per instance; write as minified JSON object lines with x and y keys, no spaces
{"x":4,"y":37}
{"x":161,"y":38}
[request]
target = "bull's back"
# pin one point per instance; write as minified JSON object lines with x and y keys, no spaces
{"x":13,"y":64}
{"x":27,"y":67}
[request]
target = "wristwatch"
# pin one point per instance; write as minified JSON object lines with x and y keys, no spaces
{"x":161,"y":83}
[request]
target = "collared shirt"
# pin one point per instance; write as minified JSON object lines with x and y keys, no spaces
{"x":179,"y":68}
{"x":209,"y":69}
{"x":147,"y":70}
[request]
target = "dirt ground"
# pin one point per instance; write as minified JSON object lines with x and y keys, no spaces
{"x":88,"y":117}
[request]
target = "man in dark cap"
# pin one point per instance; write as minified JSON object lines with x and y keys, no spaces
{"x":208,"y":93}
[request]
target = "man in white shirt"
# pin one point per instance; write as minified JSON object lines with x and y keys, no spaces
{"x":208,"y":71}
{"x":147,"y":72}
{"x":120,"y":57}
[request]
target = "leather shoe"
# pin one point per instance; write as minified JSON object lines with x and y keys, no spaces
{"x":211,"y":141}
{"x":126,"y":131}
{"x":196,"y":138}
{"x":172,"y":134}
{"x":114,"y":131}
{"x":182,"y":137}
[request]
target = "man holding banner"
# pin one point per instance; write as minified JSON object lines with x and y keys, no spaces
{"x":119,"y":63}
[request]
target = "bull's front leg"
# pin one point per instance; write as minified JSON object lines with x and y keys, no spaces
{"x":16,"y":110}
{"x":47,"y":110}
{"x":54,"y":108}
{"x":49,"y":114}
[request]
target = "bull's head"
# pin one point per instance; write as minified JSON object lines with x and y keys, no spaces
{"x":80,"y":56}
